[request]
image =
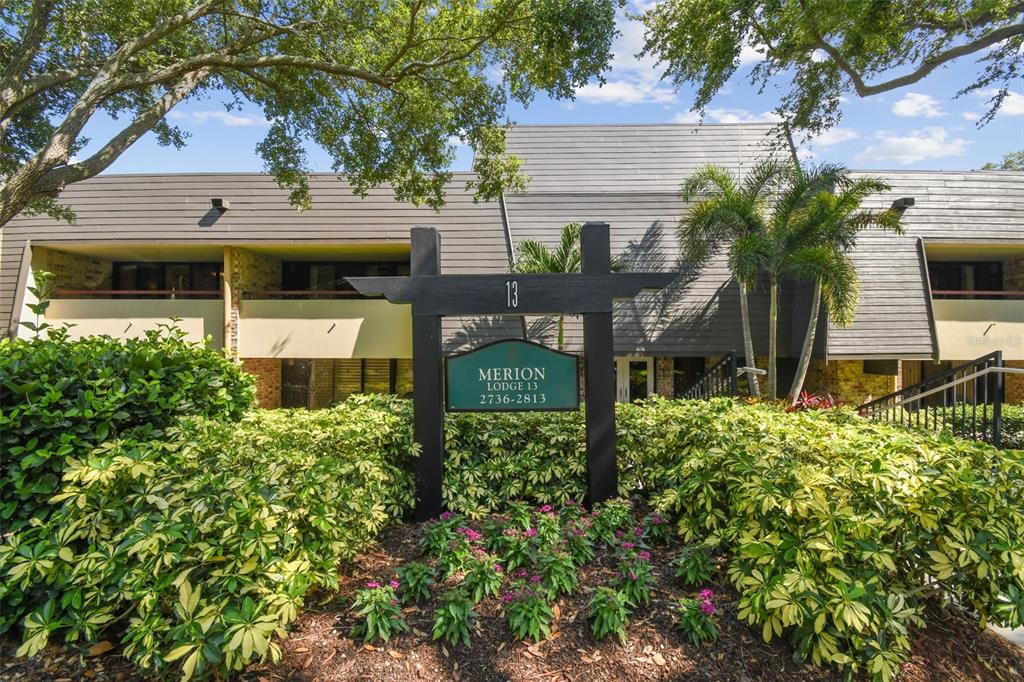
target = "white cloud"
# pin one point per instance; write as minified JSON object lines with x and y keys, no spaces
{"x":913,"y":146}
{"x":917,"y":105}
{"x":1013,"y":103}
{"x":686,"y":117}
{"x":834,"y":136}
{"x":819,"y":56}
{"x":750,"y":55}
{"x":728,"y":115}
{"x":630,"y":80}
{"x":626,"y":92}
{"x":971,"y":116}
{"x":805,"y":154}
{"x":232,"y":120}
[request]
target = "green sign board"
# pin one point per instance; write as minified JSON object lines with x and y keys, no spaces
{"x":512,"y":376}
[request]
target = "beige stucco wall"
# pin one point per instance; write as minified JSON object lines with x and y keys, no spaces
{"x":324,"y":329}
{"x":131,"y":318}
{"x":970,"y":329}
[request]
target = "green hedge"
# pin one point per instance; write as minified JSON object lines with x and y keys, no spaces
{"x":203,"y":544}
{"x":61,"y":398}
{"x":838,"y":529}
{"x":1013,"y":427}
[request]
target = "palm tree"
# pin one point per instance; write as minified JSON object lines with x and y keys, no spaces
{"x":535,"y":257}
{"x":737,"y":213}
{"x":815,"y":235}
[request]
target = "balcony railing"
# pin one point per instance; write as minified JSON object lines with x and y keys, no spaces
{"x":291,"y":294}
{"x":975,"y":294}
{"x":137,"y":293}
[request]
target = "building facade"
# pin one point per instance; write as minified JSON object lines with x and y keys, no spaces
{"x":231,"y":260}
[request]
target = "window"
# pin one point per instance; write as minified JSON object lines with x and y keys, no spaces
{"x":311,"y":276}
{"x":167,"y":280}
{"x":685,"y":371}
{"x":965,"y":276}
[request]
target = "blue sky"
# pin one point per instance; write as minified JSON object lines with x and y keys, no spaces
{"x":921,"y":126}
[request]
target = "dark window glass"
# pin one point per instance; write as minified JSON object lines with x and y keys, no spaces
{"x":685,"y":371}
{"x":332,"y":276}
{"x":163,"y":279}
{"x":966,"y":276}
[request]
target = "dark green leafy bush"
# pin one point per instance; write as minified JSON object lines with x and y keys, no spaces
{"x":454,"y":618}
{"x":204,"y":543}
{"x":380,"y":616}
{"x":608,"y":611}
{"x":61,"y":398}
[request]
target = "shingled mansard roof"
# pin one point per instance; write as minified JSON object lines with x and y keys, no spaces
{"x":627,"y":176}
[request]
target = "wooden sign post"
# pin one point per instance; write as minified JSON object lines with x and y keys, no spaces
{"x":434,"y":295}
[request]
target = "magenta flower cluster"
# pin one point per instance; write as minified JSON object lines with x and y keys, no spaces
{"x":707,"y":602}
{"x":470,"y":534}
{"x":547,"y":509}
{"x":530,"y":533}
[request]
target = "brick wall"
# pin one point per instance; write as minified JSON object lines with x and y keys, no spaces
{"x":249,"y":272}
{"x":73,"y":270}
{"x":268,"y":380}
{"x":1014,"y":390}
{"x":846,"y":380}
{"x":664,"y":380}
{"x":1013,"y":274}
{"x":321,"y":390}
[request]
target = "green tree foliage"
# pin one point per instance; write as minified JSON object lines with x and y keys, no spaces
{"x":1011,"y":161}
{"x":61,"y":398}
{"x":381,"y":87}
{"x":824,"y":49}
{"x":818,"y":240}
{"x":732,"y":213}
{"x":535,"y":257}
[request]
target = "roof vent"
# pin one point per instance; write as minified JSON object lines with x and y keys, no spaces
{"x":223,"y":204}
{"x":903,"y":204}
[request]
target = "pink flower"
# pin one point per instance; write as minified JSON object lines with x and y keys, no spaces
{"x":535,"y":579}
{"x":530,"y":532}
{"x":373,"y":584}
{"x":638,"y":531}
{"x":657,"y":520}
{"x":498,"y":568}
{"x":521,"y":573}
{"x":571,"y":503}
{"x":707,"y":608}
{"x":706,"y":594}
{"x":394,"y":584}
{"x":546,"y":509}
{"x":446,"y":515}
{"x":509,"y":533}
{"x":632,"y":575}
{"x":470,"y":534}
{"x":508,"y":597}
{"x":394,"y":602}
{"x":627,"y":545}
{"x":645,"y":555}
{"x":619,"y":533}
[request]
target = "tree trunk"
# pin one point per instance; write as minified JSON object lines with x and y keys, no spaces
{"x":773,"y":323}
{"x":561,"y":331}
{"x":805,"y":353}
{"x":748,"y":342}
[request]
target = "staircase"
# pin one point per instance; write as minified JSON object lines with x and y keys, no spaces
{"x":718,"y":381}
{"x":966,"y":400}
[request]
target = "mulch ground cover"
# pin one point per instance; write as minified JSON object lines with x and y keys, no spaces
{"x":320,"y":648}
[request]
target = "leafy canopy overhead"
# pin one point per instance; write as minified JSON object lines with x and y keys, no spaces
{"x":825,"y":48}
{"x":383,"y":86}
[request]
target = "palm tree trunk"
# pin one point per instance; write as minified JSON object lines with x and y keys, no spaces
{"x":561,"y":331}
{"x":805,"y":353}
{"x":748,"y":342}
{"x":773,"y":324}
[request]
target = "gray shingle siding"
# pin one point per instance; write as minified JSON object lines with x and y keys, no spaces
{"x":627,"y":176}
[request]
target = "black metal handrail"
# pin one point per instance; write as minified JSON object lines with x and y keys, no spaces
{"x":967,"y":400}
{"x":719,"y":380}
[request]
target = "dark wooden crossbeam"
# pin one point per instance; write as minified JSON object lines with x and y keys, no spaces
{"x":546,"y":294}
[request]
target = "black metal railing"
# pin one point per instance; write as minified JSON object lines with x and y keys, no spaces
{"x":966,"y":400}
{"x":718,"y":381}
